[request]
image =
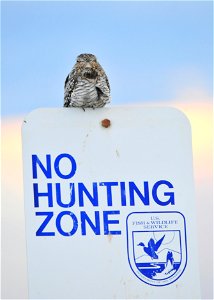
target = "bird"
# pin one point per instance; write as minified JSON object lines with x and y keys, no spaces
{"x":87,"y":84}
{"x":152,"y":247}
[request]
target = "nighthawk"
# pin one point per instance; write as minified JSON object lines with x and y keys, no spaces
{"x":87,"y":84}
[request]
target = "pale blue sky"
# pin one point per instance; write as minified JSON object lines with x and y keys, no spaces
{"x":150,"y":50}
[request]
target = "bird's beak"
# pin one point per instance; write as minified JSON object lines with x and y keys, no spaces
{"x":88,"y":65}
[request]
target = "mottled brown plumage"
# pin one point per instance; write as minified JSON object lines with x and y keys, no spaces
{"x":87,"y":84}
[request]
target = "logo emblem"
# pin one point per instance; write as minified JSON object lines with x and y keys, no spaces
{"x":156,"y":245}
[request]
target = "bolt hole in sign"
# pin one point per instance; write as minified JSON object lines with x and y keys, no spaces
{"x":109,"y":204}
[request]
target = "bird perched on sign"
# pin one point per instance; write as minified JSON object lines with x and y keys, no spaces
{"x":87,"y":84}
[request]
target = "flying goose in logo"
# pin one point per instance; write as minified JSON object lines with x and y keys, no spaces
{"x":152,"y":247}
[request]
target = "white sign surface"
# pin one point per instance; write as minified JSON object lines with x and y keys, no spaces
{"x":110,"y":211}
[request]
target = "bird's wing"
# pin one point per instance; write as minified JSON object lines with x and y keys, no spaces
{"x":102,"y":86}
{"x":151,"y":248}
{"x":104,"y":76}
{"x":69,"y":86}
{"x":157,"y":245}
{"x":107,"y":82}
{"x":151,"y":243}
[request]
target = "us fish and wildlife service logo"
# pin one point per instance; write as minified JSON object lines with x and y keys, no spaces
{"x":156,"y":245}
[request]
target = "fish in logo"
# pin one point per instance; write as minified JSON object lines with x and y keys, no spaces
{"x":157,"y":250}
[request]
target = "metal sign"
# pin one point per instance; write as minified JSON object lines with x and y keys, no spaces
{"x":109,"y":204}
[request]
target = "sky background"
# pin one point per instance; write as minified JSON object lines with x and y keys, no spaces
{"x":154,"y":53}
{"x":151,"y":51}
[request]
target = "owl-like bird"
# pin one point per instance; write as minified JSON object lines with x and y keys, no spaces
{"x":87,"y":84}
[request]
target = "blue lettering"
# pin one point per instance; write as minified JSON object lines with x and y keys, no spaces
{"x":46,"y":194}
{"x":109,"y":193}
{"x":82,"y":189}
{"x":46,"y":170}
{"x":74,"y":225}
{"x":133,"y":188}
{"x":95,"y":227}
{"x":58,"y":196}
{"x":170,"y":194}
{"x":123,"y":193}
{"x":44,"y":224}
{"x":106,"y":222}
{"x":73,"y":166}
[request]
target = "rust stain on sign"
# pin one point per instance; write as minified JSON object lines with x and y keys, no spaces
{"x":109,"y":237}
{"x":106,"y":123}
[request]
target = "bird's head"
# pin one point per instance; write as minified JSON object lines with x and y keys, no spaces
{"x":87,"y":65}
{"x":141,"y":244}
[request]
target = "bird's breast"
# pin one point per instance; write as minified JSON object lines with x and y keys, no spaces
{"x":85,"y":91}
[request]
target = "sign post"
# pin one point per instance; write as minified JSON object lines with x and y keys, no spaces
{"x":109,"y":204}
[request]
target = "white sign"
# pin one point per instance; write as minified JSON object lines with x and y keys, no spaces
{"x":109,"y":204}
